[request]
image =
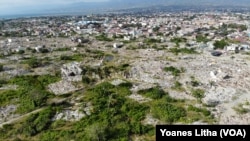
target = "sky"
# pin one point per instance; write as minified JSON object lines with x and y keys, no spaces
{"x":8,"y":7}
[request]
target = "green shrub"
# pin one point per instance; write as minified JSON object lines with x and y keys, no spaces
{"x":2,"y":82}
{"x":198,"y":93}
{"x":63,"y":49}
{"x":43,"y":50}
{"x":220,"y":44}
{"x":154,"y":93}
{"x":152,"y":41}
{"x":32,"y":91}
{"x":1,"y":67}
{"x":178,"y":86}
{"x":103,"y":37}
{"x":65,"y":57}
{"x":7,"y":96}
{"x":167,"y":112}
{"x":176,"y":51}
{"x":173,"y":70}
{"x":201,"y":38}
{"x":85,"y":79}
{"x":120,"y":116}
{"x":34,"y":62}
{"x":37,"y":122}
{"x":204,"y":111}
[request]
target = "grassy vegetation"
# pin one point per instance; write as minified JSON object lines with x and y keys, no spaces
{"x":178,"y":86}
{"x":194,"y":82}
{"x":204,"y":111}
{"x":95,"y":53}
{"x":1,"y":67}
{"x":201,"y":38}
{"x":220,"y":44}
{"x":75,"y":57}
{"x":177,"y":51}
{"x":36,"y":123}
{"x":240,"y":108}
{"x":2,"y":82}
{"x":31,"y":94}
{"x":114,"y":117}
{"x":198,"y":93}
{"x":154,"y":93}
{"x":62,"y":49}
{"x":174,"y":71}
{"x":33,"y":62}
{"x":29,"y":127}
{"x":149,"y":41}
{"x":168,"y":112}
{"x":199,"y":114}
{"x":240,"y":27}
{"x":103,"y":37}
{"x":170,"y":59}
{"x":178,"y":40}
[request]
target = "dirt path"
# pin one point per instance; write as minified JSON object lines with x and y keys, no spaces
{"x":20,"y":117}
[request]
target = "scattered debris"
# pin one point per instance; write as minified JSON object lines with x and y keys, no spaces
{"x":71,"y":72}
{"x":117,"y":82}
{"x":139,"y":98}
{"x":7,"y":113}
{"x":69,"y":115}
{"x":62,"y":87}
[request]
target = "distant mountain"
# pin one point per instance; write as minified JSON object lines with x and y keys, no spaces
{"x":99,"y":7}
{"x":183,"y":2}
{"x":96,"y":7}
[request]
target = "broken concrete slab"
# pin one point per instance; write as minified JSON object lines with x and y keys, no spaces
{"x":62,"y":87}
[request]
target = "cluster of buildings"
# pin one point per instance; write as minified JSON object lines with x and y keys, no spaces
{"x":163,"y":26}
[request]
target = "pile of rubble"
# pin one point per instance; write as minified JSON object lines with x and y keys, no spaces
{"x":69,"y":115}
{"x":150,"y":71}
{"x":74,"y":115}
{"x":62,"y":87}
{"x":7,"y":113}
{"x":139,"y":98}
{"x":71,"y":72}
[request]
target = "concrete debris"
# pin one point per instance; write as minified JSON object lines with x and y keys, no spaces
{"x":219,"y":95}
{"x":7,"y":113}
{"x":149,"y":120}
{"x":88,"y":109}
{"x":141,"y":86}
{"x":139,"y":98}
{"x":62,"y":87}
{"x":235,"y":119}
{"x":9,"y":87}
{"x":17,"y":72}
{"x":117,"y":82}
{"x":69,"y":115}
{"x":150,"y":71}
{"x":71,"y":72}
{"x":74,"y":115}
